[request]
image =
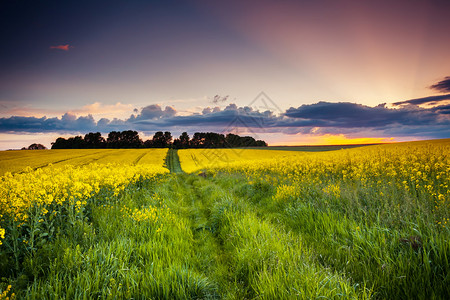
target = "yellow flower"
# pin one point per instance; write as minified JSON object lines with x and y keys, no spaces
{"x":2,"y":234}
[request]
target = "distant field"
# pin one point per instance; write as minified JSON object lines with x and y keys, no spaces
{"x":321,"y":148}
{"x":16,"y":161}
{"x":313,"y":148}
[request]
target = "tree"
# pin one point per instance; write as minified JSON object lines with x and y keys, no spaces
{"x":113,"y":139}
{"x":184,"y":140}
{"x":168,"y":138}
{"x":94,"y":140}
{"x":158,"y":140}
{"x":76,"y":142}
{"x":60,"y":143}
{"x":130,"y":139}
{"x":148,"y":144}
{"x":36,"y":147}
{"x":232,"y":140}
{"x":124,"y":139}
{"x":198,"y":140}
{"x":261,"y":143}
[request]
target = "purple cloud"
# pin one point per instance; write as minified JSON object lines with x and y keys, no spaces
{"x":442,"y":86}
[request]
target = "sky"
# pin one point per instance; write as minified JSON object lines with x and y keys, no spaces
{"x":288,"y":72}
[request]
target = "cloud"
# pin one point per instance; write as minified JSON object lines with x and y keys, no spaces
{"x":312,"y":119}
{"x":443,"y":109}
{"x":352,"y":115}
{"x":62,"y":47}
{"x":98,"y":109}
{"x":430,"y":101}
{"x":67,"y":123}
{"x":342,"y":114}
{"x":442,"y":86}
{"x":154,"y":112}
{"x":210,"y":117}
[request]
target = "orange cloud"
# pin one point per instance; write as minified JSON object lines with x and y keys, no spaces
{"x":62,"y":47}
{"x":99,"y":110}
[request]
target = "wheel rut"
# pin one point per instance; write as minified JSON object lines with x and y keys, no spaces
{"x":173,"y":161}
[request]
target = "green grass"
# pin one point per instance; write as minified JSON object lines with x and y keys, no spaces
{"x":173,"y":161}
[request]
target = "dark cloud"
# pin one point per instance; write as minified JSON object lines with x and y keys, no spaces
{"x":67,"y":123}
{"x":155,"y":111}
{"x":443,"y":109}
{"x":351,"y":115}
{"x":209,"y":117}
{"x":208,"y":110}
{"x":343,"y":113}
{"x":318,"y":118}
{"x":432,"y":100}
{"x":442,"y":86}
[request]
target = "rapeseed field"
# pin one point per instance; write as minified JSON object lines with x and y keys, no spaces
{"x":363,"y":223}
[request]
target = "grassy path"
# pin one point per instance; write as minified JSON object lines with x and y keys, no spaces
{"x":252,"y":247}
{"x":191,"y":198}
{"x":173,"y":162}
{"x":241,"y":253}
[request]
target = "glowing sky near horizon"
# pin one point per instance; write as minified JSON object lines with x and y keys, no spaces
{"x":112,"y":59}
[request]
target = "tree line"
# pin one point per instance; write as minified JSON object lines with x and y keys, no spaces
{"x":131,"y":139}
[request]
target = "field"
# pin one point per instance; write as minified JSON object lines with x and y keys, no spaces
{"x":202,"y":159}
{"x":313,"y":148}
{"x":364,"y":223}
{"x":17,"y":161}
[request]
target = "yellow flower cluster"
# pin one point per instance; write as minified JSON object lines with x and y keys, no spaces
{"x":286,"y":193}
{"x":4,"y":295}
{"x":45,"y":189}
{"x":152,"y":214}
{"x":2,"y":234}
{"x":332,"y":190}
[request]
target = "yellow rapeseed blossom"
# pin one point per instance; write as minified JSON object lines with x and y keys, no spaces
{"x":4,"y":294}
{"x":197,"y":159}
{"x":157,"y":216}
{"x":45,"y":188}
{"x":27,"y":161}
{"x":420,"y":169}
{"x":2,"y":234}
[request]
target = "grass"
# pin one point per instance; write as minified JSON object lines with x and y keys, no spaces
{"x":211,"y":248}
{"x":173,"y":162}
